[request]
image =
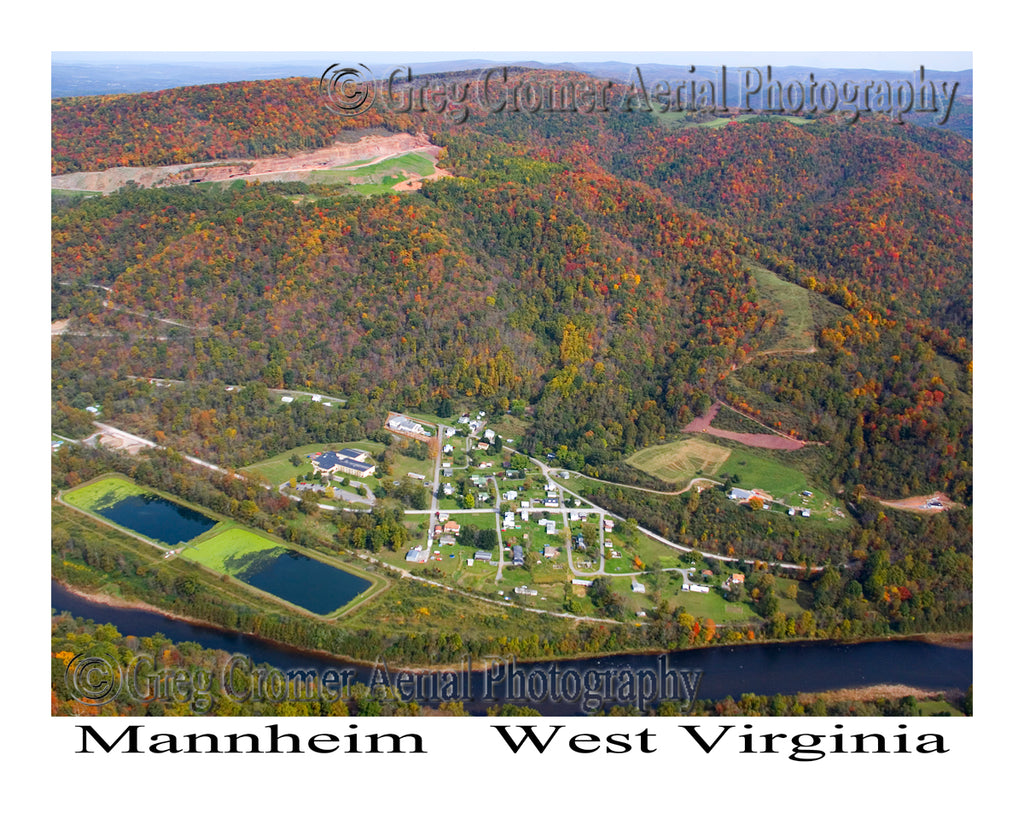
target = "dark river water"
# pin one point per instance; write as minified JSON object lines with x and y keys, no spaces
{"x":560,"y":687}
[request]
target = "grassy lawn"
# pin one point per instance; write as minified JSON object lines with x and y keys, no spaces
{"x":711,"y":605}
{"x":403,"y":465}
{"x":509,"y":427}
{"x":930,"y":708}
{"x":380,"y":177}
{"x":804,"y":594}
{"x":279,"y":469}
{"x":763,"y":472}
{"x":648,"y":550}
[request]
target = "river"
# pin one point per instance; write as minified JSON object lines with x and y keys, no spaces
{"x":559,"y":687}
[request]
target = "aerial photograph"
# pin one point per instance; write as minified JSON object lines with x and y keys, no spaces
{"x":534,"y":385}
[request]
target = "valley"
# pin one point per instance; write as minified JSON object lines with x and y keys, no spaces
{"x":554,"y":386}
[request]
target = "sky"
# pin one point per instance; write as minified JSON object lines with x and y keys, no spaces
{"x":893,"y":60}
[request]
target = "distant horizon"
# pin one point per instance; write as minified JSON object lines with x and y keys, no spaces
{"x":849,"y":60}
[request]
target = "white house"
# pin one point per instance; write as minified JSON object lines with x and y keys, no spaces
{"x":405,"y":426}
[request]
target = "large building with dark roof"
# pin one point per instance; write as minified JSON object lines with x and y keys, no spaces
{"x":349,"y":461}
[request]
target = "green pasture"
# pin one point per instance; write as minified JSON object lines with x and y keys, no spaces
{"x":797,"y":331}
{"x":73,"y":194}
{"x":383,"y":175}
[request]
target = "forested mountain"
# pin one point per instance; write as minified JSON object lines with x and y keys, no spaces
{"x":586,"y":270}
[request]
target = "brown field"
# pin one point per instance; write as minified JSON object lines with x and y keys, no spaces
{"x":680,"y":461}
{"x":296,"y":167}
{"x":766,"y":440}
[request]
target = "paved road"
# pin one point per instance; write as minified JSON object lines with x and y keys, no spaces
{"x":546,"y":471}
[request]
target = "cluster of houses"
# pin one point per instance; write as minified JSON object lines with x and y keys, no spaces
{"x":735,"y":578}
{"x":444,"y":533}
{"x":745,"y":495}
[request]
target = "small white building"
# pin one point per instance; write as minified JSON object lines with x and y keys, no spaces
{"x":418,"y":555}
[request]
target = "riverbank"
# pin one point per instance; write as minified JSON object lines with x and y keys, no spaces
{"x":870,"y":693}
{"x":962,"y":641}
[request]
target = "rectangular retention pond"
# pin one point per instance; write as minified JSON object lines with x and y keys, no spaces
{"x":133,"y":507}
{"x":269,"y":566}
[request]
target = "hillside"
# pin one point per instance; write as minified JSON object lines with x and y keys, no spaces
{"x":591,"y":272}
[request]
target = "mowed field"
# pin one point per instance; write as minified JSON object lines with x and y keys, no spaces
{"x":680,"y":461}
